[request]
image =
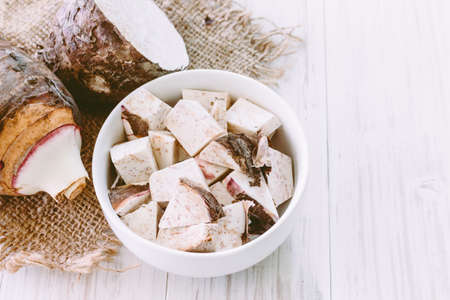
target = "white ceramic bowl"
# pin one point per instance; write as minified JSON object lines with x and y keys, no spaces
{"x":289,"y":139}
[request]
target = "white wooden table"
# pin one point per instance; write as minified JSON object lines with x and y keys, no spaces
{"x":372,"y":89}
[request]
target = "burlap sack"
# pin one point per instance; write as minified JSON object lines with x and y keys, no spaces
{"x":74,"y":235}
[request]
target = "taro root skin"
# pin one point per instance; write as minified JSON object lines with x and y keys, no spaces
{"x":94,"y":59}
{"x":33,"y":103}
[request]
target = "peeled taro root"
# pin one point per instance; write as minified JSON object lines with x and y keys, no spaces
{"x":107,"y":48}
{"x":40,"y":140}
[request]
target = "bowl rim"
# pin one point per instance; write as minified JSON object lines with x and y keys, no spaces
{"x":110,"y":215}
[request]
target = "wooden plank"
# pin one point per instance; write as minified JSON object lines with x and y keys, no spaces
{"x":388,"y":102}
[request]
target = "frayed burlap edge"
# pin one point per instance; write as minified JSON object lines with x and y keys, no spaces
{"x":83,"y":264}
{"x":220,"y":35}
{"x":253,"y":49}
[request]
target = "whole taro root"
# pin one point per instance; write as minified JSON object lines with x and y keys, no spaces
{"x":104,"y":49}
{"x":39,"y":137}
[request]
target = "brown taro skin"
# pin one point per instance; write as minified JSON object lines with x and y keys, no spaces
{"x":23,"y":79}
{"x":30,"y":94}
{"x":91,"y":57}
{"x":241,"y":149}
{"x":139,"y":126}
{"x":260,"y":220}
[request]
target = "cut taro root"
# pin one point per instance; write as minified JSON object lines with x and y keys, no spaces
{"x":163,"y":183}
{"x":251,"y":120}
{"x":219,"y":190}
{"x":193,"y":127}
{"x":107,"y":48}
{"x":211,"y":171}
{"x":277,"y":167}
{"x":144,"y":220}
{"x":260,"y":220}
{"x":216,"y":103}
{"x":262,"y":155}
{"x":134,"y":160}
{"x":263,"y":214}
{"x":232,"y":228}
{"x":164,"y":146}
{"x":218,"y":154}
{"x":141,"y":112}
{"x":127,"y":198}
{"x":133,"y":125}
{"x":214,"y":190}
{"x":34,"y":108}
{"x":60,"y":147}
{"x":234,"y":151}
{"x":195,"y":238}
{"x":192,"y":205}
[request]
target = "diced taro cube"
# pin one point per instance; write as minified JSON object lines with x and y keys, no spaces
{"x":134,"y":160}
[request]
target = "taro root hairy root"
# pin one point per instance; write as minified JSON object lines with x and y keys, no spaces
{"x":39,"y":137}
{"x":104,"y":49}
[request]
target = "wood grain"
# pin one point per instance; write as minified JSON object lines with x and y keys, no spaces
{"x":388,"y":116}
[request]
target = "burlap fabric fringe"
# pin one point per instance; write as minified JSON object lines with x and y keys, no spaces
{"x":74,"y":235}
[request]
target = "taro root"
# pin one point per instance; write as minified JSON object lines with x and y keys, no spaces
{"x":134,"y":160}
{"x":216,"y":103}
{"x":191,"y":205}
{"x":234,"y":151}
{"x":232,"y":228}
{"x":263,"y":214}
{"x":126,"y":198}
{"x":211,"y":171}
{"x":40,"y":139}
{"x":277,"y":168}
{"x":104,"y":49}
{"x":195,"y":238}
{"x":259,"y":218}
{"x":164,"y":146}
{"x":251,"y":120}
{"x":219,"y":190}
{"x":164,"y":182}
{"x":141,"y":112}
{"x":193,"y":126}
{"x":144,"y":220}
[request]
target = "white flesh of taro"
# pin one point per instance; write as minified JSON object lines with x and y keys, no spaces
{"x":188,"y":207}
{"x":262,"y":156}
{"x":195,"y":238}
{"x":280,"y":177}
{"x":238,"y":182}
{"x":231,"y":227}
{"x":148,"y":107}
{"x":217,"y":154}
{"x":164,"y":146}
{"x":193,"y":127}
{"x":211,"y":171}
{"x":144,"y":220}
{"x":134,"y":160}
{"x":251,"y":120}
{"x":149,"y":30}
{"x":53,"y":164}
{"x":163,"y":183}
{"x":216,"y":103}
{"x":219,"y":190}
